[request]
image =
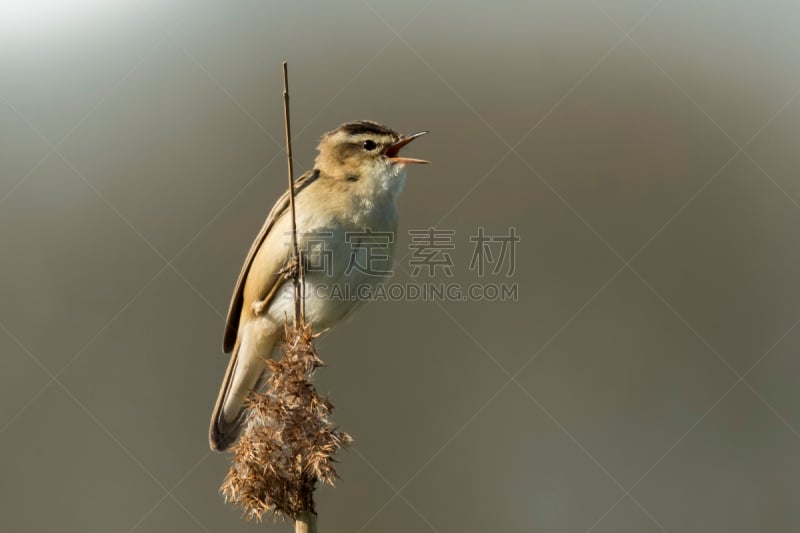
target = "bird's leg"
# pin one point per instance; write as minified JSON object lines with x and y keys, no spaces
{"x":290,"y":271}
{"x":259,"y":306}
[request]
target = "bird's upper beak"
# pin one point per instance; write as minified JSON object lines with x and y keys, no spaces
{"x":394,"y":149}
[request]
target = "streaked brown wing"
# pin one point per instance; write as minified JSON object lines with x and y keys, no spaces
{"x":235,"y":308}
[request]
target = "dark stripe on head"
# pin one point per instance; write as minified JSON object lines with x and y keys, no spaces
{"x":365,"y":126}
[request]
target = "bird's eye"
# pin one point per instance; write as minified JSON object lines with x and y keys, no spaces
{"x":370,"y":145}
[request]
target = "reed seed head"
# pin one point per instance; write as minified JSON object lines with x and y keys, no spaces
{"x":289,"y":442}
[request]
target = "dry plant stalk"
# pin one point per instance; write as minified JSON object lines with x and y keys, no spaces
{"x":298,"y":277}
{"x":289,"y":442}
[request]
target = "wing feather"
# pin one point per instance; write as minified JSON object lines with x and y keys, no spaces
{"x":235,"y":308}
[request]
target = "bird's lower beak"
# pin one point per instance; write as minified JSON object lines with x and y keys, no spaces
{"x":394,"y":149}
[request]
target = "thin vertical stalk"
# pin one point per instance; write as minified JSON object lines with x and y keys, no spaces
{"x":298,"y":279}
{"x":306,"y":522}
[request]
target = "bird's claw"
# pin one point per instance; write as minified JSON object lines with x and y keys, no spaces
{"x":290,"y":271}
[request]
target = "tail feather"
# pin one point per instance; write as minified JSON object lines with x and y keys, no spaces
{"x":245,"y":373}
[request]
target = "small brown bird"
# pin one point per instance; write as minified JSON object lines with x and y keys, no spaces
{"x":345,"y":207}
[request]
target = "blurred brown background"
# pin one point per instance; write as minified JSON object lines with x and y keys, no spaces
{"x":645,"y":151}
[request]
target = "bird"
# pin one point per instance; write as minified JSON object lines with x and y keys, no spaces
{"x":346,"y":215}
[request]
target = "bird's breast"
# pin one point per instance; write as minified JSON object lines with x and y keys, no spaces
{"x":346,"y":255}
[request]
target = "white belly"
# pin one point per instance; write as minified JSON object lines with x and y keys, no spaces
{"x":334,"y":290}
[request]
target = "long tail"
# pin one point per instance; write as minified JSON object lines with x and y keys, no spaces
{"x":245,"y":372}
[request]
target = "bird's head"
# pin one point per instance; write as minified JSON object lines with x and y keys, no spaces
{"x":365,"y":153}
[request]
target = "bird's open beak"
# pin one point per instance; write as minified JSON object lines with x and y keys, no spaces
{"x":394,"y":149}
